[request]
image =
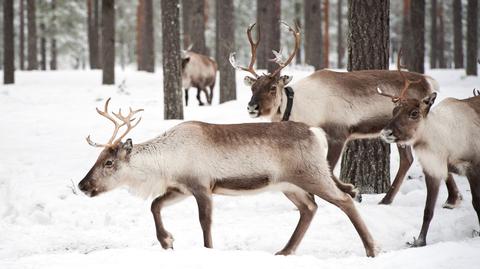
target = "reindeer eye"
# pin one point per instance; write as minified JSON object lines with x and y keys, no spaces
{"x":108,"y":163}
{"x":414,"y":114}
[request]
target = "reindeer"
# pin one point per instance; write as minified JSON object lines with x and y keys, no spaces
{"x":440,"y":150}
{"x":234,"y":159}
{"x":198,"y":71}
{"x":345,"y":105}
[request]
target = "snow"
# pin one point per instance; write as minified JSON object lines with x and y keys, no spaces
{"x":46,"y":223}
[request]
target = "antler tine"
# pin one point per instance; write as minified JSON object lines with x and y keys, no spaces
{"x":127,"y":120}
{"x":296,"y":35}
{"x":253,"y":48}
{"x":407,"y":82}
{"x":105,"y":114}
{"x":476,"y":92}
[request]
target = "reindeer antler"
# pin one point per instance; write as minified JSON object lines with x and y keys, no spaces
{"x":476,"y":92}
{"x":278,"y":55}
{"x":406,"y":85}
{"x":253,"y":47}
{"x":125,"y":120}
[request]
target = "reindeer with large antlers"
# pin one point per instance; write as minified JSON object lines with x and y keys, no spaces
{"x":344,"y":104}
{"x":441,"y":150}
{"x":231,"y":159}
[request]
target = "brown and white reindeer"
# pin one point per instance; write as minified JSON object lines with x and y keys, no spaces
{"x":234,"y":159}
{"x":344,"y":104}
{"x":445,"y":141}
{"x":198,"y":71}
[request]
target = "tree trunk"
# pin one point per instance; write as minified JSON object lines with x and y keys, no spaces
{"x":43,"y":47}
{"x":366,"y":163}
{"x":272,"y":35}
{"x":263,"y":7}
{"x":457,"y":34}
{"x":417,"y":51}
{"x":326,"y":40}
{"x":313,"y":33}
{"x":298,"y":21}
{"x":53,"y":42}
{"x":97,"y":34}
{"x":92,"y":27}
{"x":8,"y":43}
{"x":172,"y":83}
{"x":340,"y":46}
{"x":442,"y":63}
{"x":32,"y":36}
{"x":22,"y":35}
{"x":140,"y":35}
{"x":433,"y":34}
{"x":406,"y":43}
{"x":225,"y":45}
{"x":108,"y":39}
{"x":472,"y":37}
{"x":149,"y":40}
{"x":197,"y":27}
{"x":186,"y":22}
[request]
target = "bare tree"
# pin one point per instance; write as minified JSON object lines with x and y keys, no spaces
{"x":92,"y":29}
{"x":406,"y":43}
{"x":32,"y":35}
{"x":53,"y":41}
{"x":457,"y":34}
{"x":22,"y":35}
{"x":197,"y":27}
{"x":326,"y":39}
{"x":140,"y":35}
{"x":108,"y":39}
{"x":172,"y":83}
{"x":417,"y":51}
{"x":225,"y":37}
{"x":43,"y":46}
{"x":148,"y":38}
{"x":186,"y":22}
{"x":433,"y":34}
{"x":8,"y":38}
{"x":340,"y":45}
{"x":442,"y":63}
{"x":313,"y":33}
{"x":272,"y":35}
{"x":472,"y":37}
{"x":366,"y":163}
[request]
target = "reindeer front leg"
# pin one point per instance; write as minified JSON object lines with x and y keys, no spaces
{"x":171,"y":196}
{"x":203,"y":196}
{"x":433,"y":185}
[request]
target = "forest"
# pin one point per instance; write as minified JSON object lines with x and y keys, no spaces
{"x":354,"y":123}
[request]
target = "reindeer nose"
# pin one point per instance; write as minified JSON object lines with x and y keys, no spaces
{"x":252,"y":107}
{"x":387,"y":132}
{"x":83,"y":185}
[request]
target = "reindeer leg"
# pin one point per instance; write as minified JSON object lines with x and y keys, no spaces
{"x":406,"y":160}
{"x":335,"y":149}
{"x":327,"y":190}
{"x":200,"y":103}
{"x":454,"y":196}
{"x":186,"y":97}
{"x":305,"y":202}
{"x":204,"y":201}
{"x":171,"y":196}
{"x":433,"y":186}
{"x":474,"y":179}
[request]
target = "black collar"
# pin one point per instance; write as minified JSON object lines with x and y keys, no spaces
{"x":289,"y":92}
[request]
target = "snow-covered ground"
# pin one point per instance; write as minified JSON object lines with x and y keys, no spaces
{"x":46,"y":223}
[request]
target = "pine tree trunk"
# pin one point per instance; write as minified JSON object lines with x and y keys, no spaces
{"x":8,"y":43}
{"x":442,"y":63}
{"x":406,"y":43}
{"x":140,"y":35}
{"x":43,"y":47}
{"x":366,"y":163}
{"x":326,"y":39}
{"x":197,"y":27}
{"x":149,"y":41}
{"x":298,"y":21}
{"x":340,"y":46}
{"x":457,"y":34}
{"x":53,"y":41}
{"x":272,"y":35}
{"x":433,"y":34}
{"x":263,"y":7}
{"x":97,"y":34}
{"x":108,"y":39}
{"x":186,"y":22}
{"x":172,"y":83}
{"x":22,"y":35}
{"x":225,"y":45}
{"x":417,"y":51}
{"x":32,"y":36}
{"x":313,"y":33}
{"x":472,"y":37}
{"x":91,"y":55}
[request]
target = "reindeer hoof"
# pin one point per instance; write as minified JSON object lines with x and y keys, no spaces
{"x":284,"y":252}
{"x":385,"y":201}
{"x":416,"y":243}
{"x":167,"y":242}
{"x":475,"y":233}
{"x":454,"y":202}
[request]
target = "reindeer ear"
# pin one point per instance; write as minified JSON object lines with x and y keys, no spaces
{"x":285,"y":79}
{"x":249,"y":81}
{"x":128,"y":145}
{"x":428,"y":101}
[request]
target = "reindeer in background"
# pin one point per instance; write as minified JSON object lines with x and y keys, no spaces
{"x":234,"y":159}
{"x":444,"y":139}
{"x":198,"y":71}
{"x":344,"y":104}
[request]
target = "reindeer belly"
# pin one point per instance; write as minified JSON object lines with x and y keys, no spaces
{"x":250,"y":185}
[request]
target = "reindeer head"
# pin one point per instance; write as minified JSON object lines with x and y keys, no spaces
{"x":266,"y":88}
{"x":408,"y":113}
{"x":107,"y":172}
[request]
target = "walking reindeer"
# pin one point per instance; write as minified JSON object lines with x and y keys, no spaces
{"x":231,"y":159}
{"x":344,"y":104}
{"x":444,"y":140}
{"x":198,"y":71}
